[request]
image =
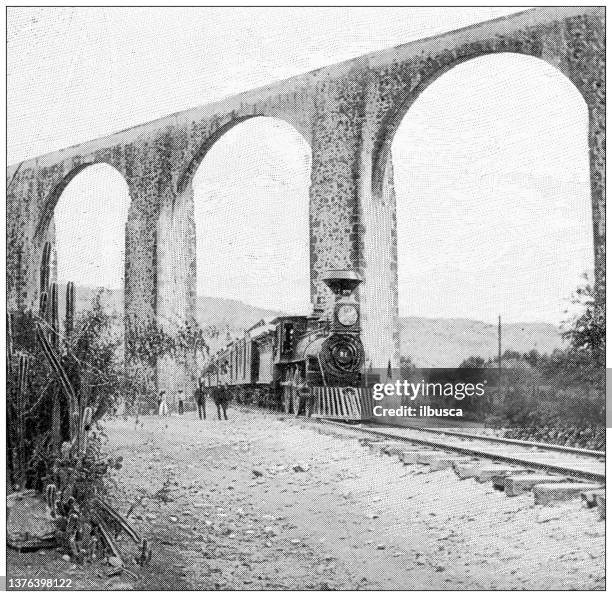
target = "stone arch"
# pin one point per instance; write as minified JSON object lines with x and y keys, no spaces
{"x":194,"y":163}
{"x":45,"y":230}
{"x":496,"y":145}
{"x":176,"y":255}
{"x":392,"y":92}
{"x":48,"y":207}
{"x":176,"y":218}
{"x":404,"y":101}
{"x":204,"y":147}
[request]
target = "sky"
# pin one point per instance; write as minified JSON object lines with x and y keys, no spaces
{"x":491,"y":165}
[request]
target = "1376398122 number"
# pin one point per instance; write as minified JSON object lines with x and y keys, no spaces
{"x":39,"y":583}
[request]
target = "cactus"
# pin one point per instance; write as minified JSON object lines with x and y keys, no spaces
{"x":83,"y":430}
{"x":45,"y":268}
{"x":43,"y":305}
{"x":56,"y":424}
{"x":22,"y":381}
{"x":52,"y":499}
{"x":69,"y":321}
{"x":9,"y":342}
{"x":54,"y":362}
{"x":24,"y":364}
{"x":87,"y":416}
{"x":72,"y":528}
{"x":75,"y":425}
{"x":54,"y":315}
{"x":145,"y":553}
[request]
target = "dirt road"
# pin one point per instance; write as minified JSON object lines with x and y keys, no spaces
{"x":262,"y":502}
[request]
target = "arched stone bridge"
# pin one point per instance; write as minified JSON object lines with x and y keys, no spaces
{"x":348,"y":113}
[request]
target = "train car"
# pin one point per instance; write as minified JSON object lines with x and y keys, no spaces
{"x":266,"y":364}
{"x":245,"y":366}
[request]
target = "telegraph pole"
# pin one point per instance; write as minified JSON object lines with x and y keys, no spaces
{"x":499,"y":357}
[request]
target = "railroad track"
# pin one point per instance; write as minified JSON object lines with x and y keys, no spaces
{"x":509,"y":441}
{"x":575,"y":463}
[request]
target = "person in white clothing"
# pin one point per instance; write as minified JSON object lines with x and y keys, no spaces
{"x":162,"y":404}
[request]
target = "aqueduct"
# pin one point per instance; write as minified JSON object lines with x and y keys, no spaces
{"x":348,"y":113}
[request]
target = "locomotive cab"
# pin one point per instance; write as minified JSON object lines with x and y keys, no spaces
{"x":289,"y":330}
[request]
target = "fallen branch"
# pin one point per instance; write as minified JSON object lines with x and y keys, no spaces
{"x":145,"y":550}
{"x":106,"y":535}
{"x":124,"y":524}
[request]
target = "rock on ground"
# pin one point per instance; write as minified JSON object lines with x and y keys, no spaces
{"x":29,"y":524}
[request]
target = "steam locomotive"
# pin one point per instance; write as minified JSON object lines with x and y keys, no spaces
{"x":267,"y":364}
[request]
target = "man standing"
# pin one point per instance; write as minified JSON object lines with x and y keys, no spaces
{"x":180,"y":398}
{"x":305,"y":397}
{"x":201,"y":399}
{"x":221,"y":397}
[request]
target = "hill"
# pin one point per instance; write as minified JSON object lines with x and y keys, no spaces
{"x":447,"y":342}
{"x":228,"y":314}
{"x":428,"y":342}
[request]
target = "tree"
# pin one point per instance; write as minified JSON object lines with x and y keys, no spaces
{"x":407,"y":366}
{"x":472,"y":363}
{"x":511,"y":355}
{"x":96,"y":350}
{"x":533,"y":357}
{"x":149,"y":341}
{"x":586,"y":330}
{"x":59,"y":384}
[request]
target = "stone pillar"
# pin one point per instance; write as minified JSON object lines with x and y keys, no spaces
{"x":159,"y":273}
{"x":148,"y":191}
{"x":380,"y":322}
{"x":351,"y":226}
{"x":597,"y":139}
{"x":25,"y":242}
{"x":379,"y":292}
{"x":140,"y":290}
{"x":176,"y":286}
{"x":335,"y":223}
{"x":584,"y":63}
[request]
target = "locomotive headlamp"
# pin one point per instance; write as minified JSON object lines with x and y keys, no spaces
{"x":347,"y":315}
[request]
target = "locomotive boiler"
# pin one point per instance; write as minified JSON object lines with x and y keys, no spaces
{"x":266,"y":365}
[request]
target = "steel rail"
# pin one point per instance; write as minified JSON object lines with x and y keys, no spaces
{"x":561,"y":468}
{"x":505,"y":440}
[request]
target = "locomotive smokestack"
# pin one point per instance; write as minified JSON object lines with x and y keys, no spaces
{"x":342,"y":282}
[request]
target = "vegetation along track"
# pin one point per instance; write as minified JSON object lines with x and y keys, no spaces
{"x":580,"y":464}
